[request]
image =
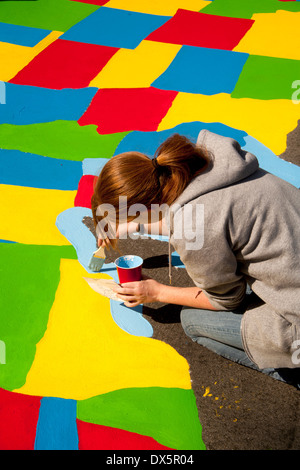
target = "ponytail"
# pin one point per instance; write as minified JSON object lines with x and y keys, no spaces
{"x":178,"y":161}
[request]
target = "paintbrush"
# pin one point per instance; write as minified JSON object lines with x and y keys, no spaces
{"x":97,"y":260}
{"x":170,"y":264}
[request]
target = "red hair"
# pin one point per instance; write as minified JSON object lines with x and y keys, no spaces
{"x":134,"y":175}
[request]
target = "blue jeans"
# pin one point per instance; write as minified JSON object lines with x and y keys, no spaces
{"x":220,"y":332}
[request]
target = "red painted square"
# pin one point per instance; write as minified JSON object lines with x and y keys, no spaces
{"x":96,"y":437}
{"x":65,"y":64}
{"x":93,"y":2}
{"x":18,"y":420}
{"x":85,"y":191}
{"x":192,"y":28}
{"x":127,"y":109}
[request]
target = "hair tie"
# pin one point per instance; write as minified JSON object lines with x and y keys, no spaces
{"x":155,"y":163}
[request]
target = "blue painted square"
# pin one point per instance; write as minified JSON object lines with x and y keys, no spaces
{"x":21,"y":35}
{"x":115,"y":28}
{"x":36,"y":171}
{"x":29,"y":104}
{"x":202,"y":70}
{"x":57,"y":428}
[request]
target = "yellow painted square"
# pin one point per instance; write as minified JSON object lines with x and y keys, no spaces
{"x":268,"y":121}
{"x":136,"y":68}
{"x":158,"y":7}
{"x":274,"y":35}
{"x":28,"y":215}
{"x":84,"y":353}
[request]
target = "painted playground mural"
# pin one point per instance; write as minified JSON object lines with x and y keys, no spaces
{"x":81,"y":81}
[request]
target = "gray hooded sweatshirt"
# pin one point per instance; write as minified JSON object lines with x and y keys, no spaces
{"x":241,"y":225}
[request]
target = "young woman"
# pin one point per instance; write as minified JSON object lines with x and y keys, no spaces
{"x":234,"y":226}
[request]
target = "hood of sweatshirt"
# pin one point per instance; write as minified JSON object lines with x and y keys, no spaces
{"x":229,"y":164}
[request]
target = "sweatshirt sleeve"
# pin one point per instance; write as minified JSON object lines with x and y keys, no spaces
{"x":213,"y":267}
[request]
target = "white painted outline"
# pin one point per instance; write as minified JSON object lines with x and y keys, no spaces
{"x":2,"y":92}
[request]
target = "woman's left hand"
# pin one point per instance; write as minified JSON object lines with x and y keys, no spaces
{"x":139,"y":292}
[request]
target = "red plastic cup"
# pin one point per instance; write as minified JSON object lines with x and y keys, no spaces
{"x":129,"y":268}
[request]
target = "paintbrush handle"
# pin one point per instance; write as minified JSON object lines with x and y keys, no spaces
{"x":170,"y":264}
{"x":100,"y":253}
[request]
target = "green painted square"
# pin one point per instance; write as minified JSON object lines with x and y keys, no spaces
{"x":56,"y":15}
{"x":267,"y":78}
{"x":246,"y":8}
{"x":168,"y":415}
{"x":66,"y":140}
